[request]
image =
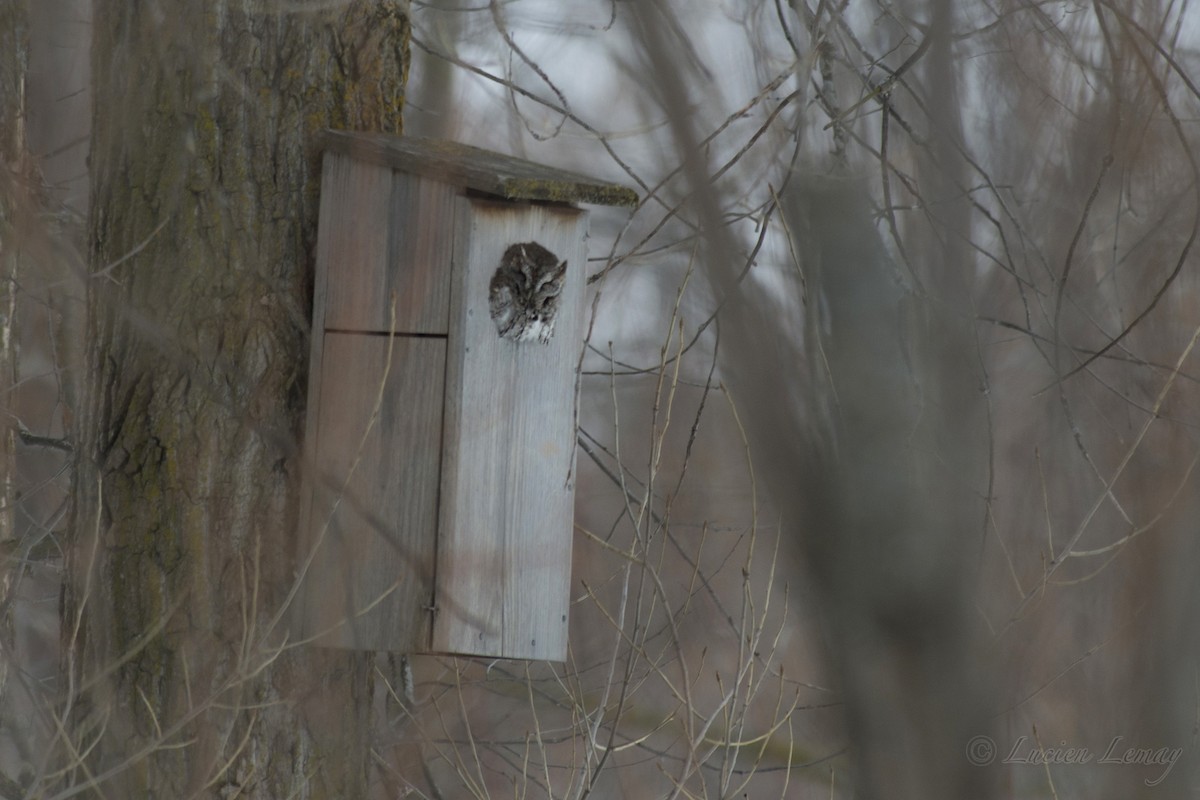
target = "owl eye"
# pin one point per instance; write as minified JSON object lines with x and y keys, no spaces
{"x":552,"y":277}
{"x":527,"y":267}
{"x":548,"y":292}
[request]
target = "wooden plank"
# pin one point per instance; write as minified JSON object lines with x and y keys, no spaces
{"x":374,"y":517}
{"x":334,"y":170}
{"x":482,"y":170}
{"x":506,"y":524}
{"x":392,"y":235}
{"x":422,"y":215}
{"x":355,"y":240}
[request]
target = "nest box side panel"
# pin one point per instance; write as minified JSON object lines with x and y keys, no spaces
{"x":332,"y":172}
{"x":392,"y":235}
{"x":374,"y":509}
{"x":507,"y":503}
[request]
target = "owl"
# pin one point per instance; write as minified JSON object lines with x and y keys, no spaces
{"x":523,"y":294}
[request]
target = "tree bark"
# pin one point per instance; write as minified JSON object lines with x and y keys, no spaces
{"x":15,"y":207}
{"x":203,"y":223}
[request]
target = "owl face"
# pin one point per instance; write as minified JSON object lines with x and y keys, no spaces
{"x":523,"y":294}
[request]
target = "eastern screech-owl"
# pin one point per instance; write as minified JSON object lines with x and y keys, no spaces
{"x":523,"y":296}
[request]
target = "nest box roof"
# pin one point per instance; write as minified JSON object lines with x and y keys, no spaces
{"x":481,"y":170}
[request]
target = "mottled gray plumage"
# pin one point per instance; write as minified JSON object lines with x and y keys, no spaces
{"x":523,"y":295}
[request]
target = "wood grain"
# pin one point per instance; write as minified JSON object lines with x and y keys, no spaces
{"x":333,"y":171}
{"x":375,"y":536}
{"x":506,"y":522}
{"x":390,"y":232}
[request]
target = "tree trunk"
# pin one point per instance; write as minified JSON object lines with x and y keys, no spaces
{"x":14,"y":210}
{"x":203,"y":222}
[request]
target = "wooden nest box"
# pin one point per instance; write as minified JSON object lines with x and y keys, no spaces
{"x":438,"y":505}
